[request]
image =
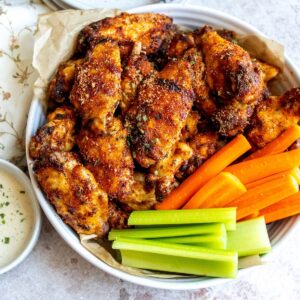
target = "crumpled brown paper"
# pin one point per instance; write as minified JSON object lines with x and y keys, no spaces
{"x":55,"y":40}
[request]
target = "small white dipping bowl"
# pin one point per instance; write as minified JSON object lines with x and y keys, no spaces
{"x":32,"y":238}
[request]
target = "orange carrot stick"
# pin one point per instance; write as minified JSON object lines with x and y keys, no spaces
{"x":217,"y":192}
{"x":212,"y":167}
{"x":287,"y":207}
{"x":264,"y":195}
{"x":252,"y":216}
{"x":280,"y":144}
{"x":252,"y":170}
{"x":295,"y":172}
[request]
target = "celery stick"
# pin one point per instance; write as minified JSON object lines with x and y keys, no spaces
{"x":250,"y":238}
{"x":177,"y":264}
{"x":186,"y":216}
{"x":182,"y":250}
{"x":208,"y":240}
{"x":158,"y":232}
{"x":212,"y":245}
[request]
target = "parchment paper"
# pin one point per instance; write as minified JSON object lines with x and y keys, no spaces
{"x":54,"y":43}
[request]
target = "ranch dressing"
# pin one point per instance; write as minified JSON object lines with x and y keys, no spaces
{"x":16,"y":218}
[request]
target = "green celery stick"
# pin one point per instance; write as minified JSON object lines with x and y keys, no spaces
{"x":158,"y":232}
{"x":182,"y":250}
{"x":208,"y":240}
{"x":212,"y":245}
{"x":177,"y":264}
{"x":185,"y":216}
{"x":250,"y":238}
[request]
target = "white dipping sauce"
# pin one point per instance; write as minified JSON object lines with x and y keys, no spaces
{"x":16,"y":218}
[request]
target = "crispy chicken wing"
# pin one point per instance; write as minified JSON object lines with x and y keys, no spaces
{"x":232,"y":118}
{"x":269,"y":72}
{"x":108,"y":157}
{"x":190,"y":128}
{"x":117,"y":216}
{"x":179,"y":44}
{"x":231,"y":73}
{"x":97,"y":89}
{"x":138,"y":67}
{"x":61,"y":84}
{"x":141,"y":197}
{"x":162,"y":174}
{"x":73,"y":191}
{"x":203,"y":100}
{"x":152,"y":30}
{"x":160,"y":111}
{"x":273,"y":116}
{"x":184,"y":45}
{"x":58,"y":134}
{"x":203,"y":146}
{"x":233,"y":77}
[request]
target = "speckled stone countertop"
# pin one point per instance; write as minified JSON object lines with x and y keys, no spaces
{"x":55,"y":271}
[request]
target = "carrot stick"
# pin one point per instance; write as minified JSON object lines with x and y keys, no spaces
{"x":287,"y":207}
{"x":280,"y":144}
{"x":212,"y":167}
{"x":295,"y":172}
{"x":252,"y":216}
{"x":252,"y":170}
{"x":264,"y":195}
{"x":218,"y":191}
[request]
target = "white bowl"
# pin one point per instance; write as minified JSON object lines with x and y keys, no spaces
{"x":190,"y":16}
{"x":35,"y":231}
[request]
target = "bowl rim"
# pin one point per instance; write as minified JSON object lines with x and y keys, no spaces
{"x":23,"y":179}
{"x":171,"y":284}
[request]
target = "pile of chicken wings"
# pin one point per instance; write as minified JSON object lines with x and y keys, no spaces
{"x":139,"y":107}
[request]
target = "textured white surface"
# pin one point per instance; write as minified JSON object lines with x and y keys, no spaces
{"x":54,"y":271}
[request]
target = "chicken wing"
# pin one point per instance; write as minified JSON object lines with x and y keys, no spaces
{"x":190,"y":128}
{"x":233,"y":78}
{"x":138,"y":67}
{"x":97,"y":89}
{"x":141,"y":196}
{"x":73,"y":191}
{"x":108,"y":157}
{"x":273,"y":116}
{"x":231,"y":73}
{"x":232,"y":118}
{"x":203,"y":145}
{"x":179,"y":44}
{"x":58,"y":134}
{"x":61,"y":84}
{"x":162,"y":174}
{"x":117,"y":216}
{"x":269,"y":72}
{"x":203,"y":100}
{"x":160,"y":111}
{"x":152,"y":30}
